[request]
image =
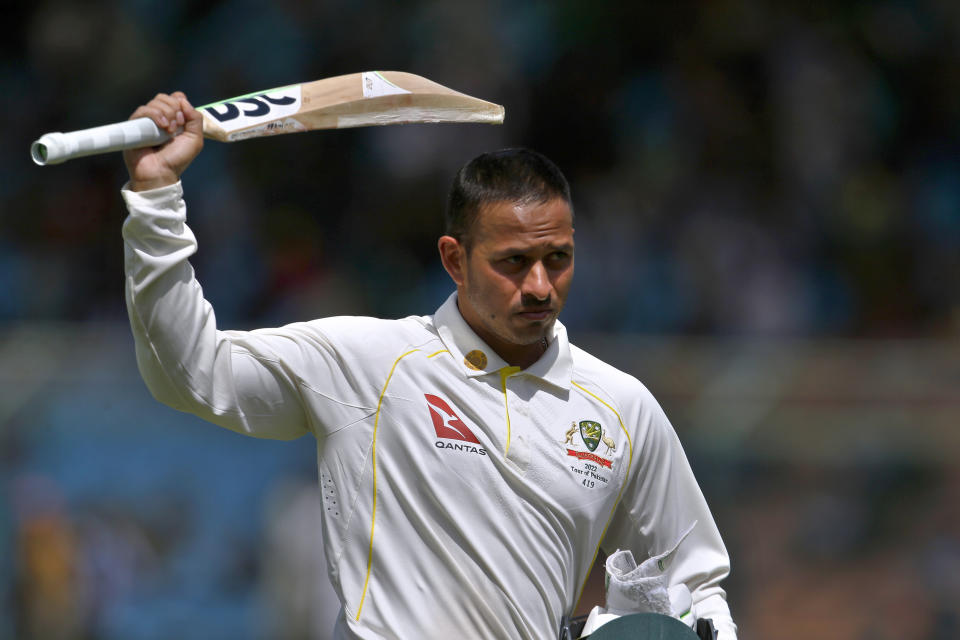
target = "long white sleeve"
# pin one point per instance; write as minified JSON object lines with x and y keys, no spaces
{"x":184,"y":360}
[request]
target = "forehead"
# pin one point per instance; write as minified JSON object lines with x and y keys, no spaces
{"x":505,"y":221}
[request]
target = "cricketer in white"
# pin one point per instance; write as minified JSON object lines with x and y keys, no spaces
{"x":464,"y":495}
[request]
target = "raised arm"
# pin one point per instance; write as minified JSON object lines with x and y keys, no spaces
{"x":235,"y":379}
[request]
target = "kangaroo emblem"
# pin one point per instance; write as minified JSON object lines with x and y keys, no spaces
{"x":607,"y":440}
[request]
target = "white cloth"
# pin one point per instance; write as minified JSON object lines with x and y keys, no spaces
{"x":635,"y":589}
{"x":643,"y":588}
{"x":463,"y":498}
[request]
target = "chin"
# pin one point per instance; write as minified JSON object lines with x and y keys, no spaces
{"x":533,"y":334}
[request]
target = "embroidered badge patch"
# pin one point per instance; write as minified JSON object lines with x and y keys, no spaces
{"x":590,"y":431}
{"x":592,"y":469}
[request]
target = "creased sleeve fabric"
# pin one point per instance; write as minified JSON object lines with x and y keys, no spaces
{"x":245,"y":381}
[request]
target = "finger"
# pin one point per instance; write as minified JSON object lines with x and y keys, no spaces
{"x":181,"y":99}
{"x":171,"y":110}
{"x":153,"y":112}
{"x":192,"y":119}
{"x":168,"y":107}
{"x":162,"y":110}
{"x":184,"y":107}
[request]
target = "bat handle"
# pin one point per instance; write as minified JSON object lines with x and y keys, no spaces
{"x":54,"y":148}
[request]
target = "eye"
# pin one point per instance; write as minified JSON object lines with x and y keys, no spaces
{"x":516,"y":260}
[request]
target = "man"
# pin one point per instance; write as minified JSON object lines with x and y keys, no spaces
{"x":472,"y":462}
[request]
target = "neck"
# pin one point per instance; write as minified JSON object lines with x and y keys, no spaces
{"x":531,"y":354}
{"x":517,"y":355}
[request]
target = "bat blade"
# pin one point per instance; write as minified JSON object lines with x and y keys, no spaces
{"x":356,"y":100}
{"x":372,"y":98}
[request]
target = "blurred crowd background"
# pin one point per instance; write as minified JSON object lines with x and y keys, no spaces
{"x":768,"y":235}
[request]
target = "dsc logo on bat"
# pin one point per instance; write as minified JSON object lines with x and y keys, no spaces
{"x":249,"y":111}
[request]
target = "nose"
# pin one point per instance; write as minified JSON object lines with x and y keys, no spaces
{"x":537,"y":282}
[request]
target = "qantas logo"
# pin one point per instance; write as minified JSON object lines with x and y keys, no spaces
{"x":449,"y":426}
{"x":447,"y":423}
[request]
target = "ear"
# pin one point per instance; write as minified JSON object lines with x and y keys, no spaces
{"x":454,"y":258}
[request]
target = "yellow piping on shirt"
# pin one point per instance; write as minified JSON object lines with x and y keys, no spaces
{"x":436,"y":353}
{"x":622,"y":486}
{"x":505,"y":373}
{"x":373,"y":511}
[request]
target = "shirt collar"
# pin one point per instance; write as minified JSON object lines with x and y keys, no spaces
{"x":476,"y":358}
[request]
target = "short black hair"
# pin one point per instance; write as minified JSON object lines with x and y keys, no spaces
{"x":509,"y":175}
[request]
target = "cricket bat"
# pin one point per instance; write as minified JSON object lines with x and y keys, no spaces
{"x":355,"y":100}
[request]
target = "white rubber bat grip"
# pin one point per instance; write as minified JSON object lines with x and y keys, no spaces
{"x":54,"y":148}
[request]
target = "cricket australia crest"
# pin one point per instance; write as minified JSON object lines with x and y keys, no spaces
{"x":591,"y":469}
{"x":590,"y":431}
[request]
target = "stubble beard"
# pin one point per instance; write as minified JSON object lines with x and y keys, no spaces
{"x":523,"y":332}
{"x":507,"y":327}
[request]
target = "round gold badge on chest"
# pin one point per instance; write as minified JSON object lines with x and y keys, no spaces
{"x":476,"y":360}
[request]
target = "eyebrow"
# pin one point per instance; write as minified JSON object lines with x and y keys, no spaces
{"x":512,"y":251}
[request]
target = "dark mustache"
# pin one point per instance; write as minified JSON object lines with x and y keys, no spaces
{"x":532,"y":303}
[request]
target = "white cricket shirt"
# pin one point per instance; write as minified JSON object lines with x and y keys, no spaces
{"x":462,"y":497}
